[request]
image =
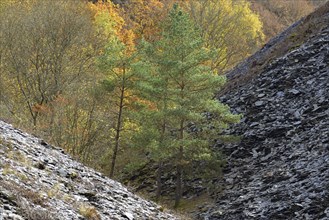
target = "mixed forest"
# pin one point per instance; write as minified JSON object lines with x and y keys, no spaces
{"x":119,"y":84}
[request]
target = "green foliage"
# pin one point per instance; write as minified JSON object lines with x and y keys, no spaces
{"x":116,"y":62}
{"x":178,"y":83}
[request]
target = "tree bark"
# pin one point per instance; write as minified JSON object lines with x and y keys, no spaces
{"x":162,"y":139}
{"x":118,"y":127}
{"x":159,"y":182}
{"x":178,"y":185}
{"x":179,"y":168}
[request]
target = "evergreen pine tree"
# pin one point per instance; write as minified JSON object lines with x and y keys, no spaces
{"x":179,"y":84}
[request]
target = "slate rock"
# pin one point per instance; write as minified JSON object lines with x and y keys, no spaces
{"x":280,"y":168}
{"x":58,"y":186}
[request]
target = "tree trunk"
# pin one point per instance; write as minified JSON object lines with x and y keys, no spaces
{"x":179,"y":177}
{"x":118,"y":129}
{"x":179,"y":168}
{"x":34,"y":121}
{"x":159,"y":182}
{"x":160,"y":164}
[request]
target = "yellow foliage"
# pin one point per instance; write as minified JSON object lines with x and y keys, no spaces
{"x":107,"y":18}
{"x":278,"y":14}
{"x":6,"y":3}
{"x":230,"y":26}
{"x":112,"y":26}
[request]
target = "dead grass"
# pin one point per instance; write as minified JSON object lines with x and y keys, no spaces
{"x":18,"y":192}
{"x":89,"y":212}
{"x":29,"y":211}
{"x":29,"y":203}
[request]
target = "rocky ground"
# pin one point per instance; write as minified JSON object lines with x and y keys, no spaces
{"x":280,"y":169}
{"x":39,"y":181}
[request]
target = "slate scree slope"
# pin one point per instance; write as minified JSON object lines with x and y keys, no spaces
{"x":39,"y":181}
{"x":280,"y":169}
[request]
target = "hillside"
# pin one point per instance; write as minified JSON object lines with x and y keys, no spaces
{"x":39,"y":181}
{"x":277,"y":15}
{"x":279,"y":170}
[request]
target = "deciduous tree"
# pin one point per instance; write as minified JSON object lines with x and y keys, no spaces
{"x":229,"y":26}
{"x":48,"y":47}
{"x":47,"y":56}
{"x":279,"y":14}
{"x":144,"y":17}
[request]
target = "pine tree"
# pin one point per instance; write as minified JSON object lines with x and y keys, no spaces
{"x":179,"y":82}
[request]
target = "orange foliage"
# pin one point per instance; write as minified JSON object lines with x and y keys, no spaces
{"x":61,"y":100}
{"x":144,"y":16}
{"x":40,"y":108}
{"x":113,"y":23}
{"x":136,"y":19}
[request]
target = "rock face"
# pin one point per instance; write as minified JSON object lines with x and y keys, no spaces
{"x":280,"y":169}
{"x":39,"y":181}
